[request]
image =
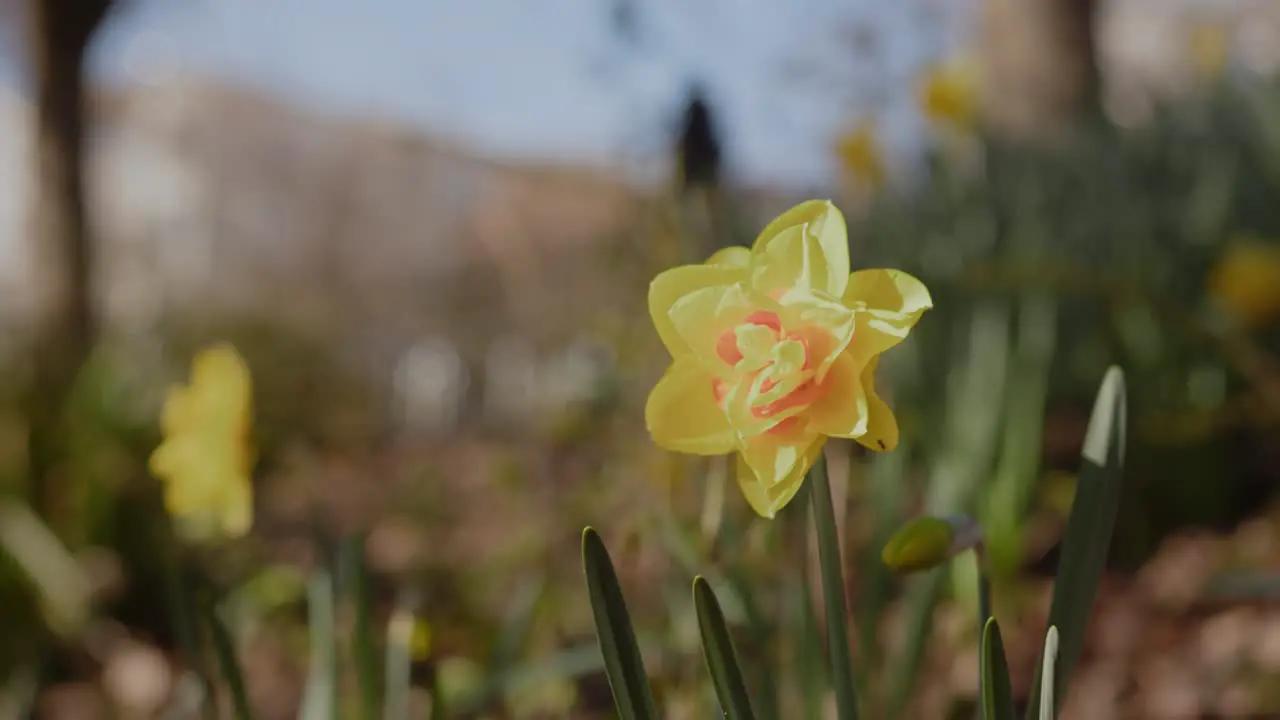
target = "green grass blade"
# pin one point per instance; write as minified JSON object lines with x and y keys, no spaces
{"x":224,"y":650}
{"x":995,"y":691}
{"x":888,"y":491}
{"x":319,"y":700}
{"x":1048,"y":673}
{"x":186,"y":626}
{"x":623,"y":664}
{"x":19,"y":693}
{"x":975,"y":392}
{"x":717,"y":648}
{"x":1088,"y":535}
{"x":398,"y":676}
{"x":763,"y":636}
{"x":921,"y":598}
{"x":1007,"y":499}
{"x":364,"y":645}
{"x":824,"y":521}
{"x":521,"y":614}
{"x":984,"y":591}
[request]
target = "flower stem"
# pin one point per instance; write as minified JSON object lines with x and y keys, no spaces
{"x":833,"y":592}
{"x":225,"y":650}
{"x":185,"y":626}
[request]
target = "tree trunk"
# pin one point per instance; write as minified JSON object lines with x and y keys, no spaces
{"x":1040,"y":65}
{"x":59,"y":35}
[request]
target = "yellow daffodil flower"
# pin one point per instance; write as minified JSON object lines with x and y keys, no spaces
{"x":1246,"y":282}
{"x":860,"y":157}
{"x":411,"y":632}
{"x":1210,"y":48}
{"x":949,"y":95}
{"x":205,"y":460}
{"x":775,"y":349}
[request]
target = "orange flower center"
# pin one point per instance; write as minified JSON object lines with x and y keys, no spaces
{"x":770,"y":372}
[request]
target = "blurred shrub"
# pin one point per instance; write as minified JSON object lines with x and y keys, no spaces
{"x":1154,"y":244}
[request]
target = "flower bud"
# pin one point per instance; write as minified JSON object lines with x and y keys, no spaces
{"x":927,"y":542}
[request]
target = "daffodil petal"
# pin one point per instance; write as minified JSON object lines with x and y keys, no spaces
{"x":768,"y":500}
{"x":835,"y":322}
{"x":223,"y":375}
{"x":823,"y":222}
{"x":682,"y":414}
{"x":882,"y":426}
{"x":843,"y":410}
{"x":161,"y":461}
{"x":670,"y":286}
{"x":776,"y":456}
{"x":220,"y":393}
{"x":176,"y":414}
{"x":789,"y":263}
{"x":701,"y":317}
{"x":733,"y":256}
{"x":236,"y":511}
{"x":888,"y":304}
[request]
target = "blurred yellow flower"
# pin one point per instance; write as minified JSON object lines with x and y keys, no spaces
{"x":774,"y":350}
{"x":1246,"y":282}
{"x":206,"y":459}
{"x":949,"y":94}
{"x":420,"y":641}
{"x":1210,"y":46}
{"x":860,"y":156}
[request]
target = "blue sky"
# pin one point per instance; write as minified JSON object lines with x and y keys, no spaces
{"x":550,"y":80}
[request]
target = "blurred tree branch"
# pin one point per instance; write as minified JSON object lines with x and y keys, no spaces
{"x":59,"y":33}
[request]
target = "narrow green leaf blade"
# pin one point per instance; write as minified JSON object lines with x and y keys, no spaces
{"x":224,"y":649}
{"x":764,"y":636}
{"x":319,"y":698}
{"x":363,"y":644}
{"x":1088,"y":534}
{"x":996,"y":691}
{"x":717,"y":648}
{"x":186,"y":625}
{"x":984,"y":593}
{"x":1048,"y":673}
{"x":398,"y":660}
{"x":824,"y":520}
{"x":623,"y":664}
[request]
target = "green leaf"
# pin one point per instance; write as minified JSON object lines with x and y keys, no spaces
{"x":398,"y":660}
{"x":48,"y":566}
{"x":717,"y":648}
{"x":763,"y":636}
{"x":1088,"y":534}
{"x":974,"y":392}
{"x":1047,"y":673}
{"x":996,"y":694}
{"x":984,"y":592}
{"x":521,"y":613}
{"x":824,"y":520}
{"x":186,"y":625}
{"x":319,"y":699}
{"x":364,"y":646}
{"x":622,"y":662}
{"x":888,"y":491}
{"x":224,"y":649}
